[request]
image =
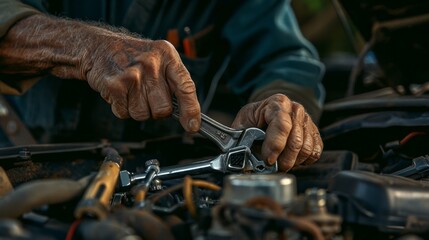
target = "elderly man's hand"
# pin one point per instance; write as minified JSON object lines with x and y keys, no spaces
{"x":138,"y":77}
{"x":291,"y":136}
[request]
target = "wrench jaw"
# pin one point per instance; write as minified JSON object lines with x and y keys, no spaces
{"x":236,"y":159}
{"x":259,"y":166}
{"x":235,"y":145}
{"x":224,"y":137}
{"x":249,"y":136}
{"x":240,"y":159}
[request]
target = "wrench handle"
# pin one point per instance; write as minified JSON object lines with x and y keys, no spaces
{"x":178,"y":171}
{"x":224,"y":137}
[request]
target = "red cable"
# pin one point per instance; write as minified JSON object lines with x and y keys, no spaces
{"x":410,"y":136}
{"x":72,"y":229}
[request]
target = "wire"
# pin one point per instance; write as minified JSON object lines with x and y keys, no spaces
{"x":357,"y":68}
{"x":72,"y":229}
{"x":410,"y":136}
{"x":140,"y":195}
{"x":197,"y":183}
{"x":187,"y":194}
{"x":343,"y":19}
{"x":214,"y":84}
{"x":306,"y":225}
{"x":266,"y":203}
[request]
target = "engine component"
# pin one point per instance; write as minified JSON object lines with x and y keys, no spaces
{"x":96,"y":200}
{"x":240,"y":188}
{"x":140,"y":191}
{"x":37,"y":193}
{"x":320,"y":174}
{"x":418,"y":169}
{"x":317,"y":212}
{"x":391,"y":204}
{"x":5,"y":184}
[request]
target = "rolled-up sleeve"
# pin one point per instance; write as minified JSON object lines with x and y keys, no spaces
{"x":12,"y":11}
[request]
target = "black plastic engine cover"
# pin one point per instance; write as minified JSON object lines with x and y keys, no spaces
{"x":389,"y":203}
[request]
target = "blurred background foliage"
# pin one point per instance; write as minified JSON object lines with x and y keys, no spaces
{"x":321,"y":25}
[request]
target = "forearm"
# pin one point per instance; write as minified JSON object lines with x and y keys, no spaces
{"x":39,"y":45}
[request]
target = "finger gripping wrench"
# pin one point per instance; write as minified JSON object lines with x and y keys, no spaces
{"x":227,"y":138}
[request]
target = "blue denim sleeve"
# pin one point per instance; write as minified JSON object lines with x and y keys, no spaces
{"x":267,"y":45}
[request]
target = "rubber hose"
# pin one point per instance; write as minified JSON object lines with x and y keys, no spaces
{"x":144,"y":223}
{"x":38,"y":193}
{"x":105,"y":229}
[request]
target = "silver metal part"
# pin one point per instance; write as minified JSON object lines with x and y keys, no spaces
{"x":316,"y":200}
{"x":240,"y":188}
{"x":234,"y":160}
{"x":226,"y":138}
{"x":127,"y":179}
{"x":152,"y":169}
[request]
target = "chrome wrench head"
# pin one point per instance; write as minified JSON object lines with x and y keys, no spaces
{"x":248,"y":138}
{"x":226,"y":138}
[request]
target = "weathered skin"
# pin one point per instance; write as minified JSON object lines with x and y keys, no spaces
{"x":292,"y":138}
{"x":138,"y":77}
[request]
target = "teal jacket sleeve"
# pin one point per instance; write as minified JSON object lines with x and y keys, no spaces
{"x":267,"y":47}
{"x":12,"y":11}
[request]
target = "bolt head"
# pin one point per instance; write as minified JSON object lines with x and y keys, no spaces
{"x":152,"y":162}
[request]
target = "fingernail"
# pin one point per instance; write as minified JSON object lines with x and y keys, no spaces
{"x":193,"y":125}
{"x":271,"y":160}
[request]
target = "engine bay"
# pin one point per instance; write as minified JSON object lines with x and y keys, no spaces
{"x":371,"y":181}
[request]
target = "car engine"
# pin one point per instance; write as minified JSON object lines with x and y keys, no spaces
{"x":370,"y":183}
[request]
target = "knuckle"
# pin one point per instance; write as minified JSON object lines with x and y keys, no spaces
{"x":150,"y":65}
{"x":191,"y":111}
{"x":186,"y":87}
{"x":306,"y":150}
{"x":162,"y":111}
{"x":303,"y":156}
{"x":295,"y":145}
{"x":139,"y":115}
{"x":276,"y":147}
{"x":279,"y":104}
{"x":300,"y":110}
{"x":310,"y":160}
{"x":315,"y":155}
{"x":163,"y":45}
{"x":119,"y":111}
{"x":286,"y":165}
{"x":318,"y":141}
{"x":285,"y":124}
{"x":165,"y":48}
{"x":280,"y":98}
{"x":120,"y":85}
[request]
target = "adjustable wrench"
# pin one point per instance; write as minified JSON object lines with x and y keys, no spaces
{"x":226,"y":138}
{"x":233,"y":161}
{"x":236,"y":157}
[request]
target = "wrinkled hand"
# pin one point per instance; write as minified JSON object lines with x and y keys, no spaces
{"x":138,"y":77}
{"x":291,"y":136}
